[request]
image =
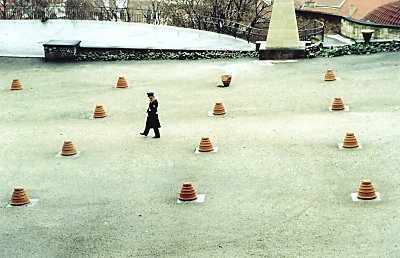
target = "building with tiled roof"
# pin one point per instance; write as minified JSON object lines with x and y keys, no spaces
{"x":356,"y":9}
{"x":387,"y":14}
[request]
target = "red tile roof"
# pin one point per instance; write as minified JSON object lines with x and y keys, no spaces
{"x":363,"y":7}
{"x":387,"y":14}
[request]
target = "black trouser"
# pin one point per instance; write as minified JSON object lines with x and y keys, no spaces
{"x":156,"y":131}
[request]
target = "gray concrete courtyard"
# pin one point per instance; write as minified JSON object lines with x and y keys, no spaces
{"x":278,"y":187}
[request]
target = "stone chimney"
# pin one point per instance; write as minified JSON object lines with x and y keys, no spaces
{"x":352,"y":9}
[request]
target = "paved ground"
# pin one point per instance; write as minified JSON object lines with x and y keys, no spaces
{"x":278,"y":187}
{"x":26,"y":38}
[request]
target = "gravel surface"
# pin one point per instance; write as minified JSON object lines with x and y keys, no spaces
{"x":278,"y":186}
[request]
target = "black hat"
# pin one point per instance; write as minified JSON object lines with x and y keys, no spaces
{"x":150,"y":94}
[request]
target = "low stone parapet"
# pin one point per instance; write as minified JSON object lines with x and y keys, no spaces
{"x":55,"y":50}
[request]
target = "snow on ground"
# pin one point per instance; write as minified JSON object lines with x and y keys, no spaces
{"x":26,"y":38}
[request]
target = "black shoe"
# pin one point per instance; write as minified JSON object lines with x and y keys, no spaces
{"x":156,"y":137}
{"x":143,"y":134}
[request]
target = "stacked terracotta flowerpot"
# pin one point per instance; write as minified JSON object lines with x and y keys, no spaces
{"x":68,"y":149}
{"x":366,"y":190}
{"x":16,"y":85}
{"x":122,"y":83}
{"x":205,"y":145}
{"x":99,"y":112}
{"x":188,"y":193}
{"x":226,"y":79}
{"x":219,"y":109}
{"x":337,"y":104}
{"x":329,"y":75}
{"x":350,"y":141}
{"x":19,"y":197}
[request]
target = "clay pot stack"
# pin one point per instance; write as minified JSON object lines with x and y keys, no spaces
{"x":68,"y":149}
{"x":99,"y":112}
{"x":205,"y":145}
{"x":226,"y":79}
{"x":188,"y":193}
{"x":337,"y":104}
{"x":122,"y":83}
{"x":19,"y":197}
{"x":329,"y":75}
{"x":350,"y":141}
{"x":366,"y":190}
{"x":219,"y":109}
{"x":16,"y":85}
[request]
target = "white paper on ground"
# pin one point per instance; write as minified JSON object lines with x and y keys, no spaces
{"x":32,"y":202}
{"x":355,"y":199}
{"x":197,"y":150}
{"x":200,"y":199}
{"x":72,"y":156}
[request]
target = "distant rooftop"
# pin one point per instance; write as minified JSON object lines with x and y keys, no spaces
{"x":356,"y":9}
{"x":387,"y":14}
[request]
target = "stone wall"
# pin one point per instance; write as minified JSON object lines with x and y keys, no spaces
{"x":58,"y":52}
{"x":336,"y":24}
{"x":61,"y":49}
{"x":332,"y":22}
{"x":352,"y":29}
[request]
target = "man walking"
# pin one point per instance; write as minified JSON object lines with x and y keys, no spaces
{"x":152,"y":116}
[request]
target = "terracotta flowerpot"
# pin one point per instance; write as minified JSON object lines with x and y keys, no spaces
{"x":99,"y":112}
{"x":68,"y":149}
{"x":367,"y":34}
{"x":188,"y":193}
{"x":329,"y":75}
{"x":122,"y":83}
{"x":226,"y":79}
{"x":19,"y":197}
{"x":16,"y":85}
{"x":366,"y":190}
{"x":337,"y":104}
{"x":219,"y":109}
{"x":205,"y":145}
{"x":350,"y":141}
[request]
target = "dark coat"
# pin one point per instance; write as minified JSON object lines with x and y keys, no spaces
{"x":152,"y":116}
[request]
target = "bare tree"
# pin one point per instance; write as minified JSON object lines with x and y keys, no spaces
{"x":150,"y":9}
{"x":117,"y":10}
{"x":249,"y":12}
{"x":18,"y":9}
{"x":4,"y":8}
{"x":80,"y":10}
{"x":187,"y":13}
{"x":235,"y":17}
